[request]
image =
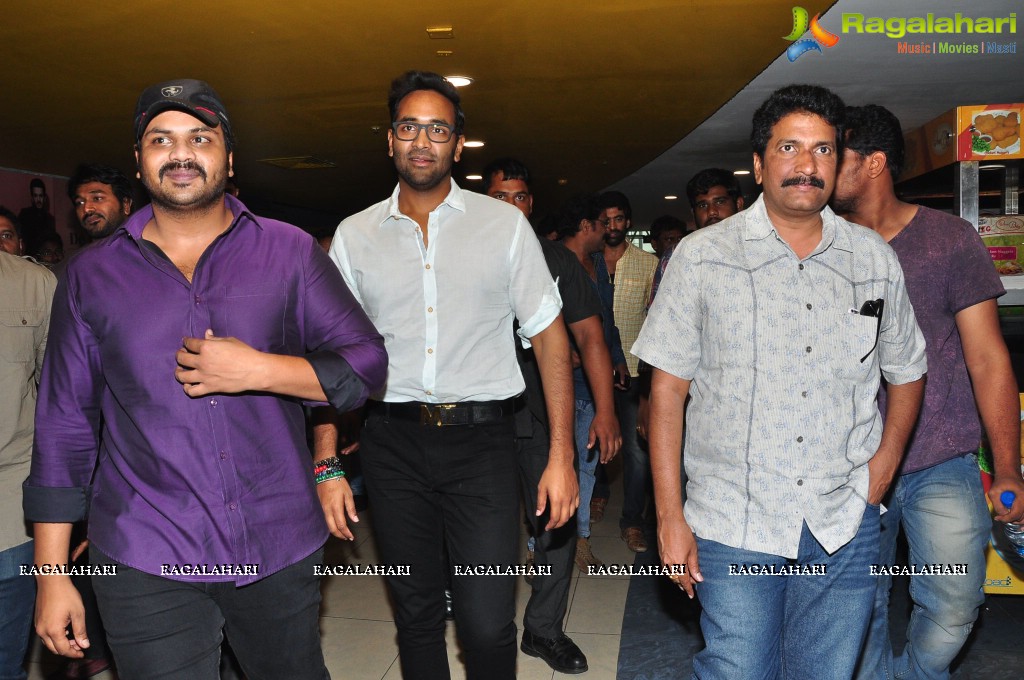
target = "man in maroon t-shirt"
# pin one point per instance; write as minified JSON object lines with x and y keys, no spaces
{"x":937,"y":496}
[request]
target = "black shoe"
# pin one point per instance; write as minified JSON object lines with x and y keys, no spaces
{"x":561,"y":653}
{"x":449,"y":610}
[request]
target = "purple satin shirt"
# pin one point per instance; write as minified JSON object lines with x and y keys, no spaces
{"x":216,"y":480}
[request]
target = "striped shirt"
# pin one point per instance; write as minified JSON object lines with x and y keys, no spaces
{"x":783,"y":417}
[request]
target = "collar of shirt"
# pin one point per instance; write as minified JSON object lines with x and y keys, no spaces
{"x":136,"y":223}
{"x":757,"y":226}
{"x":455,"y":199}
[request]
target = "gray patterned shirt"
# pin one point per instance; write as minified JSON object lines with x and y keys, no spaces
{"x":782,"y":419}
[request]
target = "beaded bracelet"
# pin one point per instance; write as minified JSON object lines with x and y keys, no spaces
{"x":328,"y":469}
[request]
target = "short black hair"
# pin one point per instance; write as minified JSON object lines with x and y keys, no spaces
{"x":797,"y":98}
{"x":703,"y":181}
{"x":578,"y":208}
{"x":413,"y":81}
{"x":36,"y":183}
{"x":874,"y":128}
{"x":10,"y":217}
{"x":666,"y":223}
{"x":104,"y":174}
{"x":510,"y":168}
{"x":615,"y":199}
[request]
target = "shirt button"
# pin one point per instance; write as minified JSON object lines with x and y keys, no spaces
{"x":198,"y":299}
{"x":799,"y":482}
{"x":808,"y":305}
{"x":430,"y":309}
{"x":430,"y":351}
{"x":808,"y":350}
{"x":801,"y":267}
{"x":24,"y":322}
{"x":429,"y":392}
{"x":232,"y":506}
{"x":223,"y":455}
{"x":799,"y":439}
{"x":428,"y":266}
{"x":803,"y":394}
{"x":213,"y":402}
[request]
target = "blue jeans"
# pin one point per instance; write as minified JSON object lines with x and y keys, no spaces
{"x":794,"y":627}
{"x":636,"y":464}
{"x":588,"y":460}
{"x":943,"y":512}
{"x":17,"y":601}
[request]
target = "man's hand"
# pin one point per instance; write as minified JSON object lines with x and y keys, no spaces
{"x":559,"y":492}
{"x":604,"y":430}
{"x":59,"y":605}
{"x":79,"y":549}
{"x":643,"y":416}
{"x":881,"y":471}
{"x":622,"y":377}
{"x":216,"y":365}
{"x":678,"y":546}
{"x":337,"y":501}
{"x":1001,"y":483}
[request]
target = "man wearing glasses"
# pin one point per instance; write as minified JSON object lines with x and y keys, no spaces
{"x":762,"y":321}
{"x":443,"y":273}
{"x":937,"y":498}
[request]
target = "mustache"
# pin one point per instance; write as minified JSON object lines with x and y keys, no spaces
{"x":813,"y":181}
{"x":182,"y":165}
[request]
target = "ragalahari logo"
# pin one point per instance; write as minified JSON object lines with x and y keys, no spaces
{"x":821,"y":37}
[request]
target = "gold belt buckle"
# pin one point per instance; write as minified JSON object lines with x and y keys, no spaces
{"x":434,"y":415}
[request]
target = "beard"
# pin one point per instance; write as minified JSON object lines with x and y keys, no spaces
{"x":178,"y":198}
{"x":615,"y":238}
{"x":424,"y":179}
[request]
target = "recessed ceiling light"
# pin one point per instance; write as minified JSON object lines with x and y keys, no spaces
{"x":562,"y":181}
{"x":475,"y":178}
{"x":475,"y":144}
{"x":459,"y":81}
{"x":670,"y":197}
{"x":741,"y":172}
{"x":991,"y":166}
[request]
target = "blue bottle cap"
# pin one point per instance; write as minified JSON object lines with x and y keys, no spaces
{"x":1007,"y":498}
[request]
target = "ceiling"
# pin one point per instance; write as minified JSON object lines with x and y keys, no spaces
{"x":639,"y":94}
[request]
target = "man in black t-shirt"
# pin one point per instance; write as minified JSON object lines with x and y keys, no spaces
{"x":508,"y":180}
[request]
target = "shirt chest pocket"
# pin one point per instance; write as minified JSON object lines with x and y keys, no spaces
{"x":257,"y":320}
{"x":21,"y":331}
{"x":855,"y":340}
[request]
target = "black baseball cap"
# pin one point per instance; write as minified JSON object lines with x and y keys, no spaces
{"x":191,"y":96}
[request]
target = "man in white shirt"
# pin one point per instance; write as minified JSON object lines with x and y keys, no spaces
{"x":442,"y":273}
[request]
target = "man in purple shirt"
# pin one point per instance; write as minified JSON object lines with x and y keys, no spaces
{"x":181,"y":348}
{"x":937,"y":496}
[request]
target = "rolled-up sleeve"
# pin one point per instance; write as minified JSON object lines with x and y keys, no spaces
{"x":533,"y":292}
{"x":901,"y":345}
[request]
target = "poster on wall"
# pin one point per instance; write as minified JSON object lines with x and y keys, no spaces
{"x":41,"y":204}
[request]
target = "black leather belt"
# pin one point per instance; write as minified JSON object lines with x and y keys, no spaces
{"x":443,"y":415}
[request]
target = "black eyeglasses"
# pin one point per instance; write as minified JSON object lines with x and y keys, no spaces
{"x":873,"y":308}
{"x":407,"y":131}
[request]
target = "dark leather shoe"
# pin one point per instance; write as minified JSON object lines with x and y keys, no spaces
{"x":561,"y":653}
{"x":449,"y":608}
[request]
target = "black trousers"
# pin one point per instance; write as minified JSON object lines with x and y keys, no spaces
{"x":555,"y":549}
{"x":428,"y":485}
{"x":161,"y":629}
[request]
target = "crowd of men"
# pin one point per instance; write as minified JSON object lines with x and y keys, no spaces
{"x":154,"y":386}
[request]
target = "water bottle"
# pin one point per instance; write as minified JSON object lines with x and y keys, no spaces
{"x":1014,"y":532}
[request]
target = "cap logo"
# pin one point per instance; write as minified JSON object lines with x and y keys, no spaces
{"x":171,"y":91}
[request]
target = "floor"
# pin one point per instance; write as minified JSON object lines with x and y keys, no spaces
{"x":359,"y":635}
{"x":358,"y":629}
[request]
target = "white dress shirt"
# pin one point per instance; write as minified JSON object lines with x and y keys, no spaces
{"x":446,"y":309}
